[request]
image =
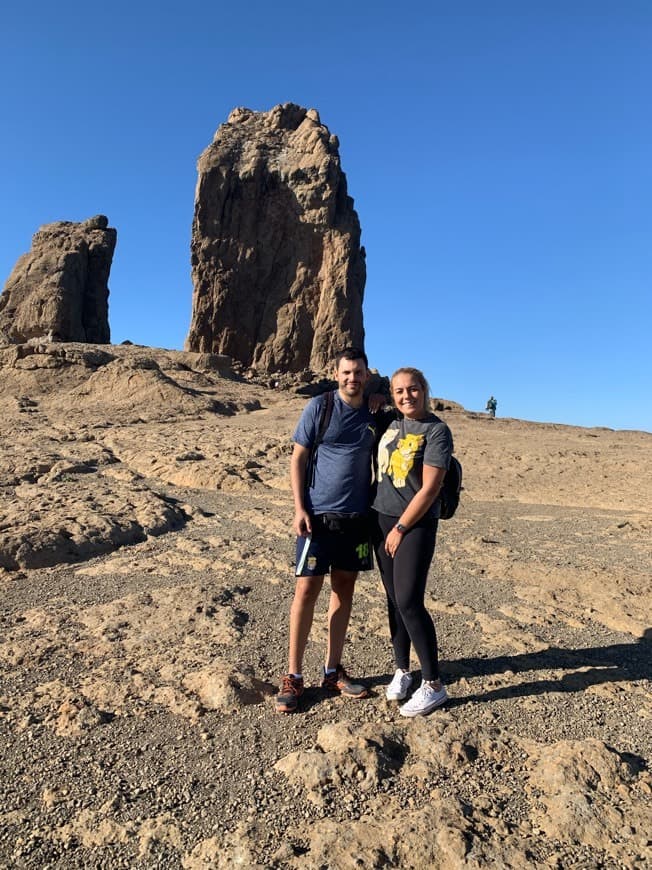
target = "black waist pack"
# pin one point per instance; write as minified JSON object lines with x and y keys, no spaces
{"x":342,"y":522}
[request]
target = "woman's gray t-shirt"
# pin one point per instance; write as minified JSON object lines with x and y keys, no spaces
{"x":402,"y":452}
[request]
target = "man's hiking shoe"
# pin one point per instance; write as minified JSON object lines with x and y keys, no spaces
{"x":341,"y":683}
{"x":287,"y":699}
{"x":400,"y":686}
{"x":425,"y":699}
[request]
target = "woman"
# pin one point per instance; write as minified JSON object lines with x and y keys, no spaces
{"x":413,"y":456}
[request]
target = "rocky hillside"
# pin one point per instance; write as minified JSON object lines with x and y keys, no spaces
{"x":146,"y":577}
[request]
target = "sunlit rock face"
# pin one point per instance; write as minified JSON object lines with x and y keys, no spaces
{"x":277,"y":265}
{"x":59,"y":289}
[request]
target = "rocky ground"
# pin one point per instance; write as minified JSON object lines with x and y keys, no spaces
{"x":146,"y":578}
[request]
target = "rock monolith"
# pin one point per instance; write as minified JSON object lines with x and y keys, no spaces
{"x":277,"y":266}
{"x":59,"y":289}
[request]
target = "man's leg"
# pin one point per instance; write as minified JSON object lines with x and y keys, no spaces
{"x":336,"y":678}
{"x":301,"y":614}
{"x":339,"y":613}
{"x":306,"y":593}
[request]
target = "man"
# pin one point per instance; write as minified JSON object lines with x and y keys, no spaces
{"x":492,"y":404}
{"x":331,"y":493}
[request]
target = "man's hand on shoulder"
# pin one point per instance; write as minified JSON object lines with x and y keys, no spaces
{"x":376,"y":401}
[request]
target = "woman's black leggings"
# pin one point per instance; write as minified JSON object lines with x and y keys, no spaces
{"x":404,"y":578}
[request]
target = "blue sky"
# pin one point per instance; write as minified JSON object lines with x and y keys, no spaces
{"x":499,"y":156}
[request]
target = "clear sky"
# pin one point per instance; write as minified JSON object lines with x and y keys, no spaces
{"x":499,"y":155}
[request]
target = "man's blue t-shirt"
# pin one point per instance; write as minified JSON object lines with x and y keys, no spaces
{"x":342,"y":475}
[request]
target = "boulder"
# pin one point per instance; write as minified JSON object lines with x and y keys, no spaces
{"x":59,"y":290}
{"x":277,"y":266}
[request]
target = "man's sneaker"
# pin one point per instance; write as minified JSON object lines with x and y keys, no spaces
{"x":341,"y":683}
{"x":398,"y":688}
{"x":425,"y":699}
{"x":287,"y":699}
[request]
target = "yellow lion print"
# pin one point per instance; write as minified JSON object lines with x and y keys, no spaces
{"x":402,"y":458}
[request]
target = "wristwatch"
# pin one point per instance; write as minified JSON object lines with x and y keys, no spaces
{"x":400,"y":528}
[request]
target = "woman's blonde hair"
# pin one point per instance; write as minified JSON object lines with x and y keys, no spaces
{"x":419,"y":376}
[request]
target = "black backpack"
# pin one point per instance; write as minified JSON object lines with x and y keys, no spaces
{"x":449,"y":496}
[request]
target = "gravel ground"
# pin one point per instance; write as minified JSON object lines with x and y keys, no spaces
{"x":572,"y":679}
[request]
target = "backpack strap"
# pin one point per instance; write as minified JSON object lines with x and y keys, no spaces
{"x":328,"y":401}
{"x":324,"y":420}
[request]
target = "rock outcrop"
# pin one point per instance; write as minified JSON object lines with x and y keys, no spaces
{"x":59,"y":290}
{"x":277,"y":266}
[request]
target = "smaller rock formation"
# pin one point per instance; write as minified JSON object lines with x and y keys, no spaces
{"x":59,"y":290}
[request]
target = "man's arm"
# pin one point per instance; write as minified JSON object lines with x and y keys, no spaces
{"x":376,"y":401}
{"x":377,"y":392}
{"x":298,"y":464}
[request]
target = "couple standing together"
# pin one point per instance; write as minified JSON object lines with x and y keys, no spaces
{"x":332,"y":500}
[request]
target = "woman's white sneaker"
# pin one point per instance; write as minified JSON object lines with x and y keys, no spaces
{"x":425,"y":699}
{"x":398,"y":688}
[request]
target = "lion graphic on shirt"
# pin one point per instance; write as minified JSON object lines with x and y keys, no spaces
{"x":402,"y":459}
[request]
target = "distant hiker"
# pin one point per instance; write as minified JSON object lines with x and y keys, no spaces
{"x":492,"y":404}
{"x":330,"y":474}
{"x":413,"y":456}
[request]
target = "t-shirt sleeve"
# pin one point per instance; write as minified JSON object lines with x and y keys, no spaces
{"x":439,"y":446}
{"x":306,"y":430}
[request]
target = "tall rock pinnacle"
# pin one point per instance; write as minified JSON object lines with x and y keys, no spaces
{"x":277,"y":266}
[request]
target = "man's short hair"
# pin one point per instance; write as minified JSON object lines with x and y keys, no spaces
{"x":351,"y":353}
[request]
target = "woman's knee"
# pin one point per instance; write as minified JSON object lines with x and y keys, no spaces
{"x":411,"y":609}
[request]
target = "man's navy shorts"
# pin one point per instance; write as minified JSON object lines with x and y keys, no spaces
{"x":336,"y":542}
